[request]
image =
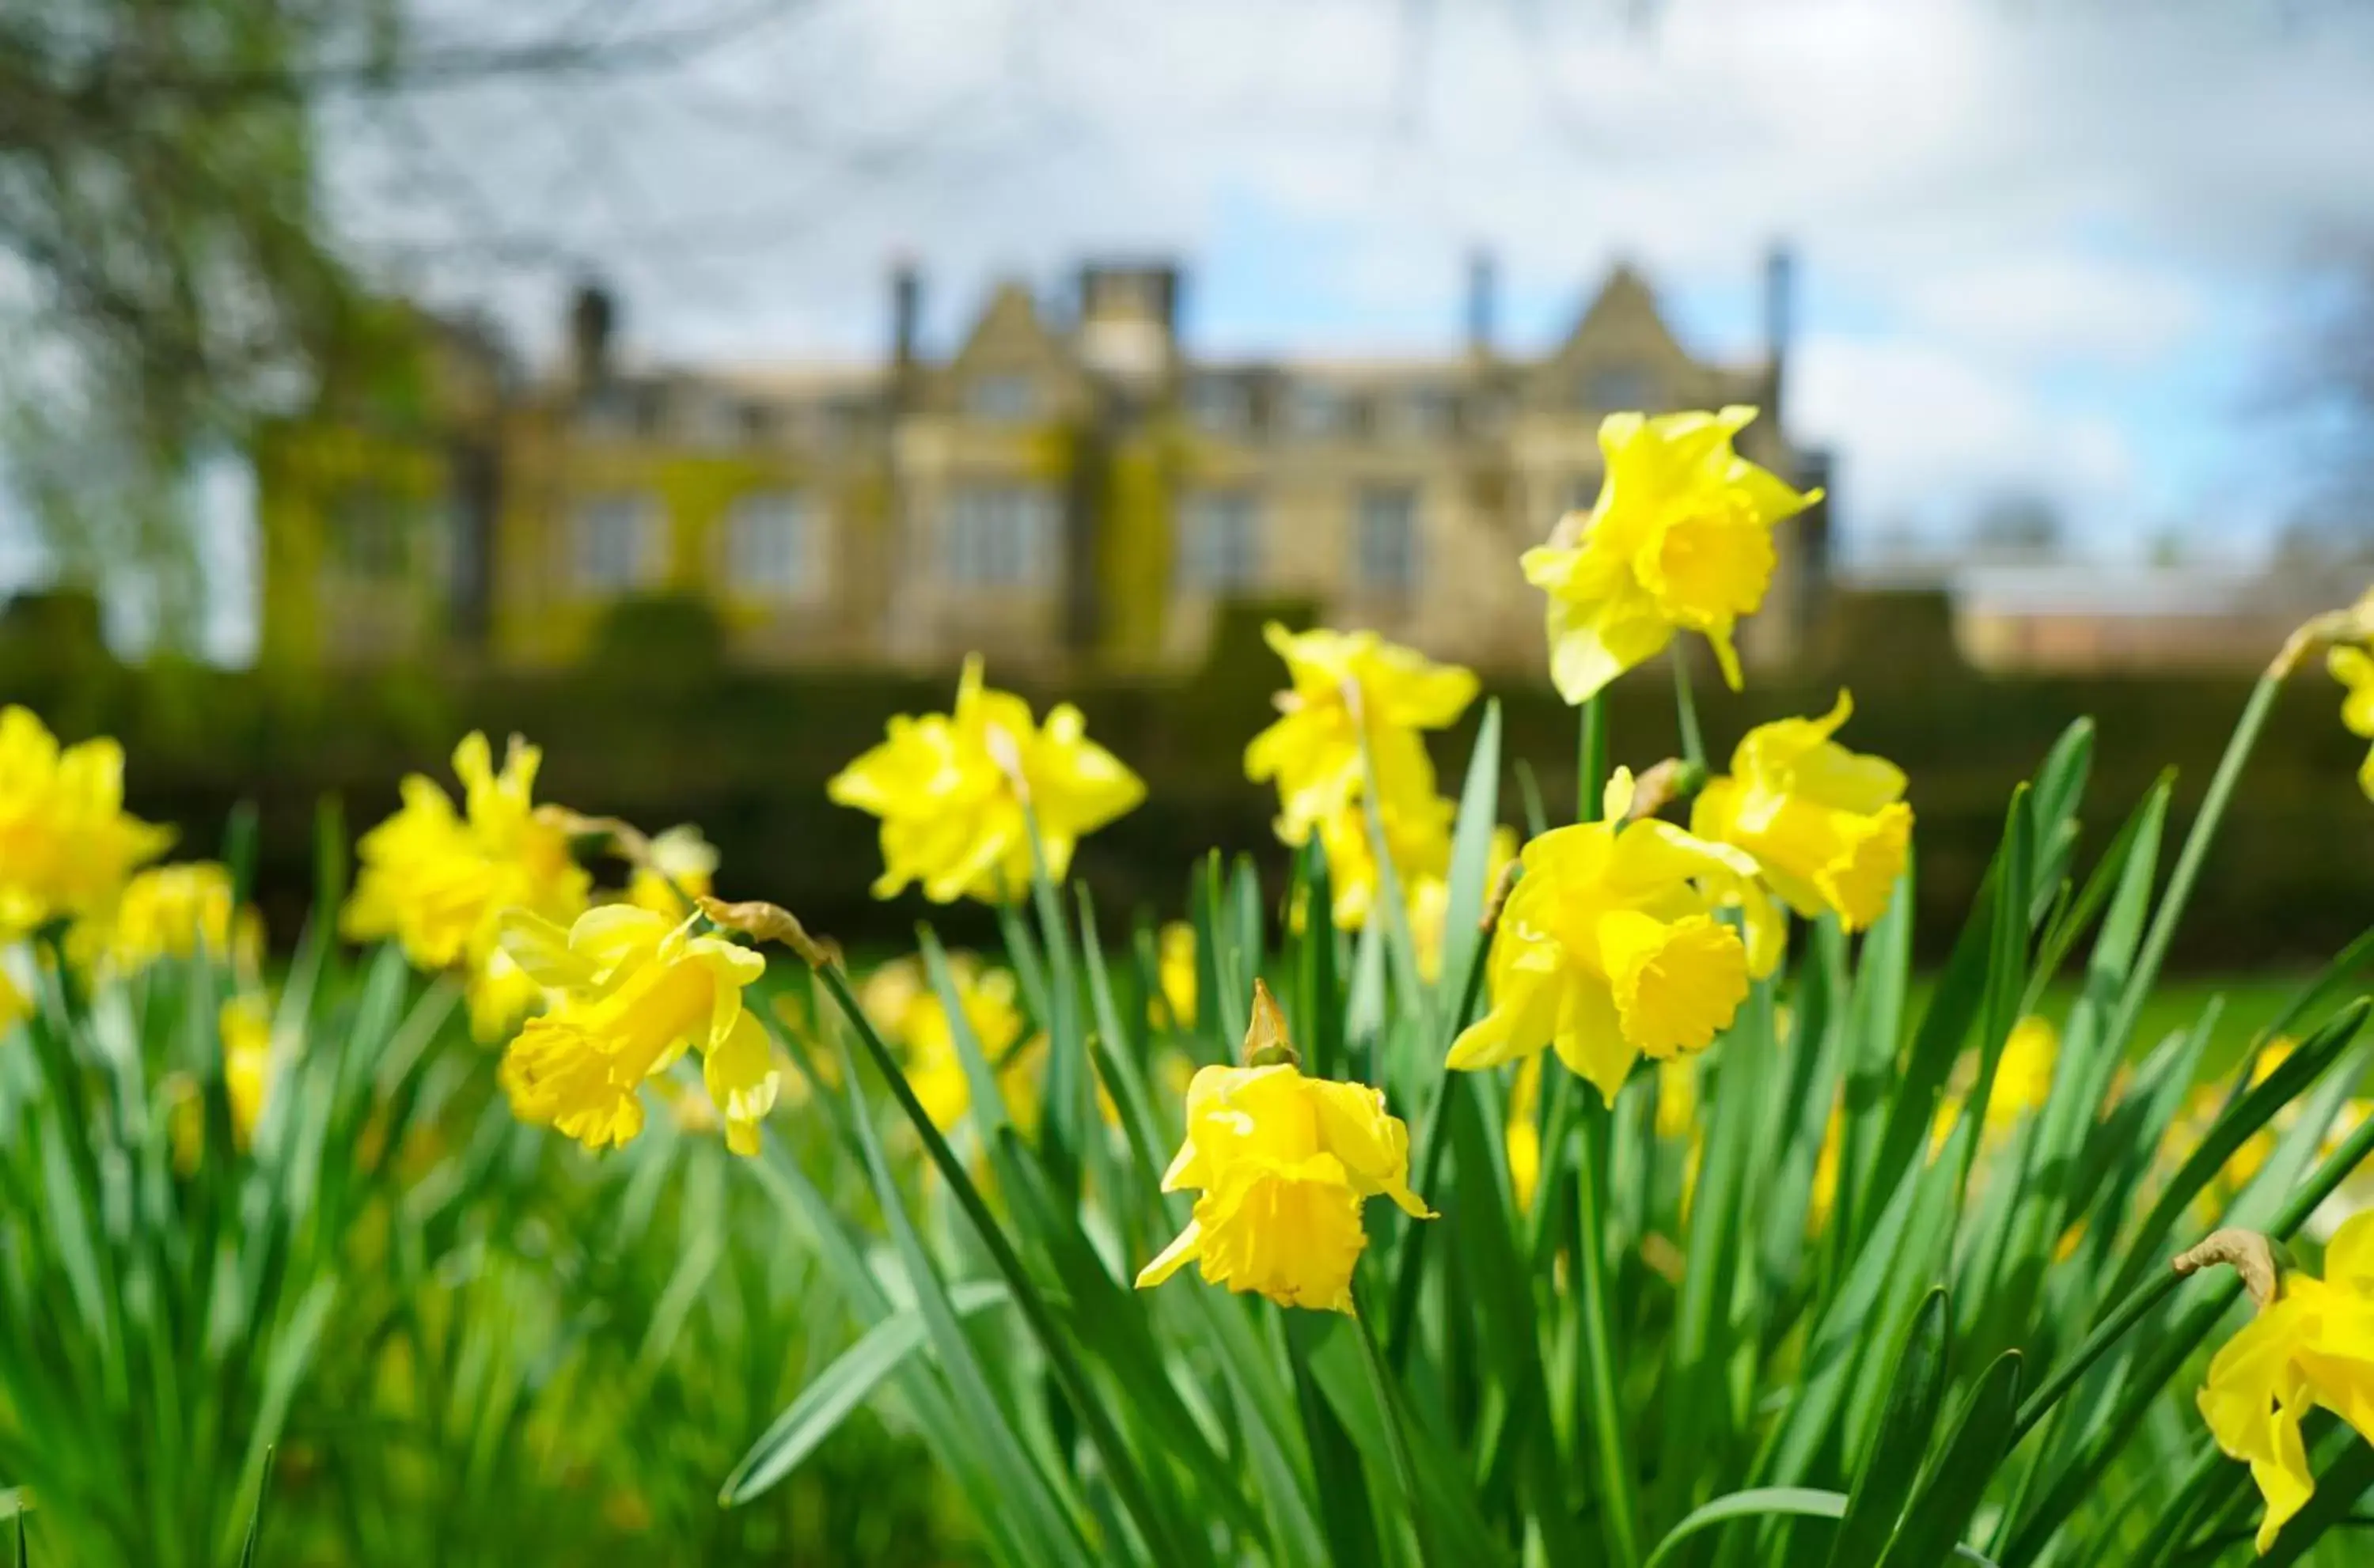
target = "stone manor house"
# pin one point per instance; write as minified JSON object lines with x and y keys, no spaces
{"x":1072,"y":486}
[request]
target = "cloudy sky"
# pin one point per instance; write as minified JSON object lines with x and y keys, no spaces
{"x":2062,"y":249}
{"x":2066,"y":249}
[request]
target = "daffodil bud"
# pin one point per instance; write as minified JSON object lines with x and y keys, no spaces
{"x":1266,"y":1044}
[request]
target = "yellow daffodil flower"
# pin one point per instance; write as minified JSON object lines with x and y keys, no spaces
{"x":635,"y":990}
{"x":2312,"y":1345}
{"x":1429,"y":900}
{"x":1678,"y":1103}
{"x":1176,"y":972}
{"x":792,"y":1013}
{"x":2352,"y":666}
{"x":1522,"y":1135}
{"x":1346,"y":686}
{"x":1821,"y":1202}
{"x":1281,"y":1165}
{"x":1829,"y":827}
{"x":2207,"y":1102}
{"x":67,"y":844}
{"x":2023,"y":1074}
{"x":499,"y":996}
{"x":245,"y":1025}
{"x":682,"y":865}
{"x":2023,"y":1083}
{"x":1680,"y":540}
{"x":440,"y":881}
{"x":957,"y":793}
{"x":171,"y":911}
{"x":1418,"y":836}
{"x":2357,"y":1189}
{"x":14,"y":1005}
{"x":1610,"y":947}
{"x":907,"y":1009}
{"x":1677,"y":1098}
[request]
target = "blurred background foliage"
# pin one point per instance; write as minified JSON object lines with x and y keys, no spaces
{"x":658,"y":728}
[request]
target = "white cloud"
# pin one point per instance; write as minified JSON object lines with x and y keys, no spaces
{"x":1985,"y":194}
{"x":1927,"y":436}
{"x":2059,"y":306}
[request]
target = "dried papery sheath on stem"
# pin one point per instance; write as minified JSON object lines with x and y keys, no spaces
{"x":2247,"y":1253}
{"x":761,"y":921}
{"x":628,"y":841}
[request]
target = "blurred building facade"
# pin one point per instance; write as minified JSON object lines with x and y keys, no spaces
{"x":2079,"y":618}
{"x":1069,"y":487}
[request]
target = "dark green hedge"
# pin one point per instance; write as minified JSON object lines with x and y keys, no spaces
{"x":662,"y":740}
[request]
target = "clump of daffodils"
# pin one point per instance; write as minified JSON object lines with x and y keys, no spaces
{"x":1417,"y":842}
{"x":440,"y":881}
{"x":1828,"y":827}
{"x":634,"y":991}
{"x":2312,"y":1345}
{"x":1679,"y":540}
{"x":171,"y":911}
{"x":1430,"y":902}
{"x":958,"y":794}
{"x":1351,"y":734}
{"x":1281,"y":1166}
{"x":1351,"y":694}
{"x":906,"y":1008}
{"x":1614,"y":946}
{"x":66,"y":844}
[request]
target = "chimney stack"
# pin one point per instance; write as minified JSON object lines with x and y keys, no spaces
{"x":592,"y":321}
{"x":906,"y":313}
{"x":1779,"y":311}
{"x":1483,"y":289}
{"x":1128,"y":320}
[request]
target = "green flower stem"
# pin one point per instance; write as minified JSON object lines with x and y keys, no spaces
{"x":2239,"y":746}
{"x":1396,"y":1436}
{"x":1590,"y":762}
{"x":1087,"y":1399}
{"x":1618,"y":1507}
{"x":1608,"y":1433}
{"x":1561,"y":1101}
{"x":2177,"y":1345}
{"x":2337,"y":1168}
{"x":1431,"y":1149}
{"x":2141,"y":979}
{"x":1388,"y":904}
{"x":2192,"y":1495}
{"x":1686,"y":710}
{"x":2133,"y":1311}
{"x":1601,"y":1408}
{"x":1072,"y":1090}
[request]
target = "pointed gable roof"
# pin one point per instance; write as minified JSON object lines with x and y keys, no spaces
{"x":1011,"y":337}
{"x":1622,"y":329}
{"x":1009,"y":333}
